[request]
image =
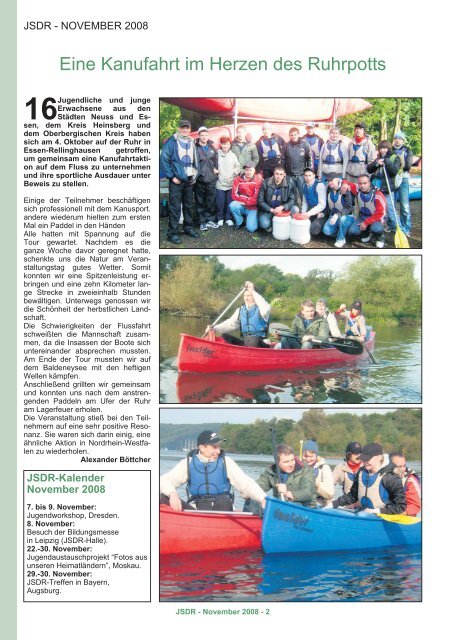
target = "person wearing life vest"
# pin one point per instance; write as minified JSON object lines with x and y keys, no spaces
{"x":210,"y":476}
{"x":333,"y":157}
{"x":271,"y":148}
{"x":251,"y":319}
{"x":179,"y":163}
{"x":355,"y":322}
{"x":306,"y":327}
{"x":322,"y":473}
{"x":313,"y":205}
{"x":245,"y":191}
{"x":345,"y":472}
{"x":376,"y":487}
{"x":411,"y":483}
{"x":315,"y":143}
{"x":388,"y":162}
{"x":400,"y":147}
{"x":205,"y":184}
{"x":371,"y":204}
{"x":338,"y":204}
{"x":297,"y":158}
{"x":361,"y":151}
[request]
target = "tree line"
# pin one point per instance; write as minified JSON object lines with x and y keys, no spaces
{"x":395,"y":430}
{"x":202,"y":286}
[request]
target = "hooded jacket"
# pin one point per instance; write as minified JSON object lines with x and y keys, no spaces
{"x":246,"y":152}
{"x":392,"y":165}
{"x":318,"y":328}
{"x":300,"y":482}
{"x":208,"y":161}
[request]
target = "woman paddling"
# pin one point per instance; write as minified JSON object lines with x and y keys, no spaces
{"x":355,"y":322}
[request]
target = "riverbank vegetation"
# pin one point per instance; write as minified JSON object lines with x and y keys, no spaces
{"x":201,"y":286}
{"x":394,"y":430}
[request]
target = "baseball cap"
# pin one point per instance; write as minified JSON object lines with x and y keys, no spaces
{"x":357,"y":304}
{"x":353,"y":447}
{"x":361,"y":125}
{"x":202,"y":129}
{"x":209,"y":437}
{"x":370,"y":450}
{"x":185,"y":123}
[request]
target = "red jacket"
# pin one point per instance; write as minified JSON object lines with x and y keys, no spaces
{"x":380,"y":204}
{"x":412,"y":495}
{"x":246,"y":191}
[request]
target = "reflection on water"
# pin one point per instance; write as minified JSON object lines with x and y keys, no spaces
{"x":385,"y":575}
{"x":395,"y":379}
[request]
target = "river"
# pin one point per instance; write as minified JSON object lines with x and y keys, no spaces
{"x":396,"y":378}
{"x":250,"y":576}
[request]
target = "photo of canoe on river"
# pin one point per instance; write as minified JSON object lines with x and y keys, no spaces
{"x":385,"y":368}
{"x":197,"y":566}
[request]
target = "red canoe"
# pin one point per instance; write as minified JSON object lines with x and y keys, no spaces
{"x":191,"y":531}
{"x":211,"y":356}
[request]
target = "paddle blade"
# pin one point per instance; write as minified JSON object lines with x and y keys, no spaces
{"x":351,"y":347}
{"x":399,"y":519}
{"x":400,"y":239}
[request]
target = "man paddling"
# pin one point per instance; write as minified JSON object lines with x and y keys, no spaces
{"x":376,"y":487}
{"x":293,"y":480}
{"x":251,"y":319}
{"x":306,"y":327}
{"x":411,"y":483}
{"x":210,"y":476}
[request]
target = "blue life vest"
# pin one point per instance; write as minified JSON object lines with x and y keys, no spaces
{"x":332,"y":153}
{"x":366,"y":203}
{"x":311,"y":195}
{"x":270,"y":149}
{"x":371,"y":493}
{"x":251,"y":322}
{"x":276,"y":200}
{"x":186,"y":153}
{"x":358,"y":152}
{"x":335,"y":201}
{"x":207,"y":478}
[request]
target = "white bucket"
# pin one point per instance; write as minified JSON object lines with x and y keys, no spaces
{"x":281,"y":225}
{"x":299,"y":230}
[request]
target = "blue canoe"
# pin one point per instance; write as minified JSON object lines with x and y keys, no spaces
{"x":291,"y":528}
{"x":415,"y":187}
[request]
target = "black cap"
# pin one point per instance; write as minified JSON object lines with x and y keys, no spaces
{"x":357,"y":304}
{"x":353,"y":447}
{"x":209,"y":437}
{"x":185,"y":123}
{"x":361,"y":125}
{"x":370,"y":450}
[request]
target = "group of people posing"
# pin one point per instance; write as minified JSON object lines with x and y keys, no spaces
{"x":313,"y":325}
{"x":345,"y":189}
{"x":369,"y":479}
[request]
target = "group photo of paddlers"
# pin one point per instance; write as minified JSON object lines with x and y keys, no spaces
{"x":291,"y":172}
{"x":294,"y":329}
{"x":290,"y":505}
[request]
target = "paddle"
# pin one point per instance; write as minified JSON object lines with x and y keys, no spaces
{"x":345,"y":345}
{"x":400,"y":239}
{"x":275,"y":456}
{"x":240,"y":293}
{"x":400,"y":519}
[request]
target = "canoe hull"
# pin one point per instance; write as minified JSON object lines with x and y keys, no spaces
{"x":199,"y":355}
{"x":188,"y":532}
{"x":290,"y":528}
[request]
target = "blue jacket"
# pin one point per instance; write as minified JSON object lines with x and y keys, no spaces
{"x":170,"y":162}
